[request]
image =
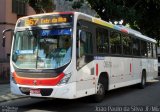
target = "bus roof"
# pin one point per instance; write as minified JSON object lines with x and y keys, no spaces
{"x":103,"y":23}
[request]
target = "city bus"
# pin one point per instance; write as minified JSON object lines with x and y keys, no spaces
{"x":69,"y":55}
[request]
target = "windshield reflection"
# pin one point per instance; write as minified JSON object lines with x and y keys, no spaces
{"x":42,"y":49}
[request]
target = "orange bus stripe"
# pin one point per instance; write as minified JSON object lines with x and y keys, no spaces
{"x":38,"y":81}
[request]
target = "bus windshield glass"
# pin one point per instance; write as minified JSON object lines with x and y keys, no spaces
{"x":42,"y":49}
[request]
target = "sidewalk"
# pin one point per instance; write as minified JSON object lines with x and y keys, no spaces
{"x":5,"y":94}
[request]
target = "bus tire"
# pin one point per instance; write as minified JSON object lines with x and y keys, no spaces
{"x":142,"y":84}
{"x":99,"y":96}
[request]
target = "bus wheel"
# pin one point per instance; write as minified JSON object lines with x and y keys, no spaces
{"x":99,"y":96}
{"x":142,"y":84}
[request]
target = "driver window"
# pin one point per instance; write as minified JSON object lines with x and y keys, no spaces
{"x":82,"y":43}
{"x":84,"y":47}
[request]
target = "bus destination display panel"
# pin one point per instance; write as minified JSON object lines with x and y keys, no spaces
{"x":45,"y":20}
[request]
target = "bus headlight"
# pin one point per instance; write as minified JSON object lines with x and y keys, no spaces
{"x":65,"y":79}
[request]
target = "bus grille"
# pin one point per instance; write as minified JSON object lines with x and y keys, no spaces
{"x":37,"y":75}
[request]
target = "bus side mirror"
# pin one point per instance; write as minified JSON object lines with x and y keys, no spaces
{"x":3,"y":41}
{"x":3,"y":33}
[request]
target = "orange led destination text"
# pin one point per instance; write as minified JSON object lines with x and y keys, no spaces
{"x":44,"y":21}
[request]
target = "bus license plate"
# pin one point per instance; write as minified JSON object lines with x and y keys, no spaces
{"x":35,"y":91}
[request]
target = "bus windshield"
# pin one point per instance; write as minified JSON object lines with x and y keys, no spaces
{"x":42,"y":49}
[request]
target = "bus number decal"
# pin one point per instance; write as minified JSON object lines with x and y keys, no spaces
{"x":31,"y":22}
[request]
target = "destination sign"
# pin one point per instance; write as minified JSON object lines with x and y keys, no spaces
{"x":45,"y":20}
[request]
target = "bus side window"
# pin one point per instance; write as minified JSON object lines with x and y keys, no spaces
{"x":102,"y":41}
{"x":154,"y":51}
{"x":144,"y":48}
{"x":83,"y":40}
{"x":115,"y":43}
{"x":149,"y":46}
{"x":136,"y":47}
{"x":84,"y":47}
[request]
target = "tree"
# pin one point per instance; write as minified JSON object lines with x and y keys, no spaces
{"x":40,"y":6}
{"x":149,"y":18}
{"x":142,"y":15}
{"x":76,"y":3}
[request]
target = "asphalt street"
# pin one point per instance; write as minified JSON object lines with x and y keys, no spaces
{"x":130,"y":98}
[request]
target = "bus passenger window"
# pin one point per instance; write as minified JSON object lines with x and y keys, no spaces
{"x":115,"y":43}
{"x":154,"y":51}
{"x":102,"y":41}
{"x":143,"y":48}
{"x":136,"y":47}
{"x":149,"y":46}
{"x":127,"y":45}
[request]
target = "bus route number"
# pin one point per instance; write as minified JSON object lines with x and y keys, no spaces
{"x":31,"y":22}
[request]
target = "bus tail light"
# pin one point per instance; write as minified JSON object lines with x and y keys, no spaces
{"x":65,"y":79}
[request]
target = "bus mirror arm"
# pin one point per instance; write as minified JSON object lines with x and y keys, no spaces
{"x":6,"y":30}
{"x":3,"y":33}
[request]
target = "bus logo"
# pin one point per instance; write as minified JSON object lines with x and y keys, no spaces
{"x":35,"y":82}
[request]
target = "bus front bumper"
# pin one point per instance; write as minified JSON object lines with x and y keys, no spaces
{"x":65,"y":91}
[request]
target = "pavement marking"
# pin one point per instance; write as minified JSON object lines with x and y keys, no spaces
{"x":9,"y":96}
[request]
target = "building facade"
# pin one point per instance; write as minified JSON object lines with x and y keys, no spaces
{"x":10,"y":11}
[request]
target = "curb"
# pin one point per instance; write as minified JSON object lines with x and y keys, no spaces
{"x":9,"y":96}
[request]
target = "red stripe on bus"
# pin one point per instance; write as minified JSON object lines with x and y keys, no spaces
{"x":38,"y":81}
{"x":130,"y":67}
{"x":97,"y":70}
